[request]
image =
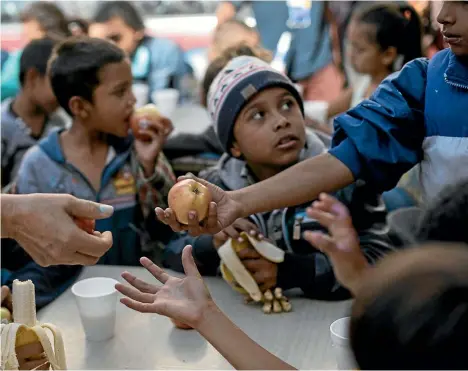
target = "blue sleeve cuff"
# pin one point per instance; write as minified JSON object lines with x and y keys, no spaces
{"x":347,"y":153}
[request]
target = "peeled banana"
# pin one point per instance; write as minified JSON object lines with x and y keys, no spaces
{"x":26,"y":330}
{"x":240,"y":279}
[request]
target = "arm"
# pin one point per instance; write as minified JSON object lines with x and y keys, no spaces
{"x":377,"y":141}
{"x":341,"y":104}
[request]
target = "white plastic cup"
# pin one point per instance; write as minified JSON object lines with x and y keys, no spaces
{"x":166,"y":100}
{"x":97,"y":303}
{"x":141,"y":92}
{"x":339,"y":331}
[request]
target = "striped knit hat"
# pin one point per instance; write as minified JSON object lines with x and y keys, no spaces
{"x":241,"y":79}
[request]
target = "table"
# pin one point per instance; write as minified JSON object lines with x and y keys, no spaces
{"x":146,"y":341}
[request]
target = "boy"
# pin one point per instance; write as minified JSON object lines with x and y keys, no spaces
{"x":417,"y":115}
{"x":96,"y":159}
{"x":259,"y":121}
{"x":28,"y":117}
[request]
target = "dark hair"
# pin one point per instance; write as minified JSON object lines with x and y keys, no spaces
{"x":75,"y":65}
{"x":411,"y":312}
{"x":397,"y":25}
{"x":50,"y":18}
{"x":446,"y":218}
{"x":35,"y":55}
{"x":220,"y":62}
{"x":121,"y":9}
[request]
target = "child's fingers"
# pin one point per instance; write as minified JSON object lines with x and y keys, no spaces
{"x":140,"y":284}
{"x":133,"y":293}
{"x":39,"y":364}
{"x":188,"y":262}
{"x":30,"y":350}
{"x":248,"y":254}
{"x":321,"y":241}
{"x":332,"y":205}
{"x":137,"y":306}
{"x":324,"y":218}
{"x":157,"y":272}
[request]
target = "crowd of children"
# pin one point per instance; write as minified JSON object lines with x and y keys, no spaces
{"x":408,"y":117}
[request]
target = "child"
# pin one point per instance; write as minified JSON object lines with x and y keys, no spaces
{"x":415,"y":116}
{"x":28,"y":117}
{"x":411,"y":314}
{"x":155,"y":61}
{"x":96,"y":159}
{"x":260,"y":124}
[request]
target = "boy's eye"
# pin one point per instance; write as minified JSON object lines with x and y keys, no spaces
{"x":257,"y":115}
{"x":286,"y":106}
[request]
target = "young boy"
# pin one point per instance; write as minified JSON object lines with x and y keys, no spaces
{"x":417,"y":115}
{"x":259,"y":121}
{"x":29,"y":116}
{"x":96,"y":159}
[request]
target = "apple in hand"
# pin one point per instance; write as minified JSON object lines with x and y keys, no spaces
{"x":189,"y":195}
{"x":138,"y":120}
{"x":181,"y":325}
{"x":88,"y":225}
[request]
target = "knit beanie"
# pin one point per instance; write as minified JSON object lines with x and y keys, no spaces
{"x":237,"y":83}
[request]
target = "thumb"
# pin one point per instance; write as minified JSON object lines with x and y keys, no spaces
{"x":188,"y":262}
{"x":88,"y":209}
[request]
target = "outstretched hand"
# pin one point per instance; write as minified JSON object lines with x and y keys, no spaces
{"x":342,"y":245}
{"x":223,"y":211}
{"x":182,"y":299}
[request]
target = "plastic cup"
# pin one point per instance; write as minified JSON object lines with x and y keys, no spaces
{"x":141,"y":92}
{"x":166,"y":100}
{"x":340,"y":341}
{"x":97,"y":303}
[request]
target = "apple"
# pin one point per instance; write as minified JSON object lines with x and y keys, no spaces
{"x":88,"y":225}
{"x":137,"y":119}
{"x":5,"y":315}
{"x":181,"y":325}
{"x":189,"y":195}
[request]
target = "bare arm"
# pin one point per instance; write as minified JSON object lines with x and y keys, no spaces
{"x":294,"y":186}
{"x":8,"y":215}
{"x":225,"y":12}
{"x":340,"y":104}
{"x":239,"y":350}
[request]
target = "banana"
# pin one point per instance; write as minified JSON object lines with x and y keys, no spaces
{"x":240,"y":279}
{"x":26,"y":330}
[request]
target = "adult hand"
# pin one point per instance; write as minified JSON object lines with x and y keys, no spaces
{"x":156,"y":129}
{"x":182,"y":299}
{"x":264,"y":272}
{"x":234,"y":231}
{"x":223,"y":211}
{"x":43,"y":224}
{"x":342,"y":245}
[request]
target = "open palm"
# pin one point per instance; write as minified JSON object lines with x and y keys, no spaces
{"x":182,"y":299}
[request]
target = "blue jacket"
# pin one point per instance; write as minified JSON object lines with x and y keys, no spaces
{"x":417,"y":115}
{"x":135,"y":229}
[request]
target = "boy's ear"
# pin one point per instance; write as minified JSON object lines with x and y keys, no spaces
{"x":389,"y":56}
{"x":31,"y":77}
{"x":79,"y":107}
{"x":235,"y":150}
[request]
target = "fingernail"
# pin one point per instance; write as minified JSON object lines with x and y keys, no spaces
{"x":190,"y":175}
{"x":252,"y":232}
{"x":106,"y":209}
{"x":260,"y":236}
{"x":240,"y":239}
{"x":191,"y":215}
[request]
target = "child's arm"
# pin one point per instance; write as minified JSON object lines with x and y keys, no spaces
{"x":187,"y":300}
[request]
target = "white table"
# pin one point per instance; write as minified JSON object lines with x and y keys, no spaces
{"x":145,"y":341}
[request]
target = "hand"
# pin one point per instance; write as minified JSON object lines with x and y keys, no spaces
{"x":43,"y":224}
{"x":7,"y":300}
{"x":32,"y":357}
{"x":182,"y":299}
{"x":264,"y":272}
{"x":158,"y":129}
{"x":223,"y":211}
{"x":234,"y":230}
{"x":342,"y":246}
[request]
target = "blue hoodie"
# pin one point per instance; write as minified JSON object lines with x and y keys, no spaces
{"x":417,"y":115}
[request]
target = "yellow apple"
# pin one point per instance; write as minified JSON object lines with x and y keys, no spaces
{"x":189,"y":195}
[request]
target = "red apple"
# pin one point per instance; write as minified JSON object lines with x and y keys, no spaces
{"x":88,"y":225}
{"x":137,"y":120}
{"x":189,"y":195}
{"x":181,"y":325}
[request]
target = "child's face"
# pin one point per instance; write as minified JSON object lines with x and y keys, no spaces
{"x":118,"y":32}
{"x":113,"y":100}
{"x":454,"y":20}
{"x":32,"y":30}
{"x":40,"y":91}
{"x":270,"y":129}
{"x":365,"y":55}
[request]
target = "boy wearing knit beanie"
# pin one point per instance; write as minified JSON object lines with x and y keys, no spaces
{"x":258,"y":118}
